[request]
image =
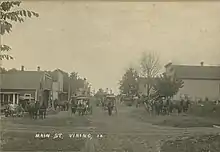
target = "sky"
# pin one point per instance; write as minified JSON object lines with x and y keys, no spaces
{"x":100,"y":40}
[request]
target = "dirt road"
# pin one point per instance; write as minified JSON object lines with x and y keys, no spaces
{"x":120,"y":132}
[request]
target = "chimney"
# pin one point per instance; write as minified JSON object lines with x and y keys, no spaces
{"x":38,"y":68}
{"x":202,"y":63}
{"x":22,"y":68}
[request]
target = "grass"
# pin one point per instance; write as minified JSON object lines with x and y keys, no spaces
{"x":192,"y":119}
{"x":187,"y":121}
{"x":16,"y":141}
{"x":202,"y":143}
{"x":208,"y":110}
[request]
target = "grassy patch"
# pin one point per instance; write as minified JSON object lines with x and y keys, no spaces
{"x":207,"y":110}
{"x":181,"y":121}
{"x":187,"y":121}
{"x":202,"y":143}
{"x":14,"y":141}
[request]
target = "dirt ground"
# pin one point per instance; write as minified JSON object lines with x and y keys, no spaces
{"x":124,"y":132}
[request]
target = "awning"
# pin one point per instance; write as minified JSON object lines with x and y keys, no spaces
{"x":9,"y":93}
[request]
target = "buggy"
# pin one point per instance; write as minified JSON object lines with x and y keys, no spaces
{"x":83,"y":105}
{"x":110,"y":104}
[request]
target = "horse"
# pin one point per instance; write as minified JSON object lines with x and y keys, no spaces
{"x":42,"y":111}
{"x":176,"y":105}
{"x":73,"y":108}
{"x":186,"y":105}
{"x":33,"y":108}
{"x":55,"y":104}
{"x":149,"y":107}
{"x":63,"y":105}
{"x":110,"y":108}
{"x":81,"y":109}
{"x":138,"y":102}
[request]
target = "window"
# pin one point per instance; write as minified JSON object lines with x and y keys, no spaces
{"x":27,"y":95}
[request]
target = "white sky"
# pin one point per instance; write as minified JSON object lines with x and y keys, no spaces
{"x":100,"y":39}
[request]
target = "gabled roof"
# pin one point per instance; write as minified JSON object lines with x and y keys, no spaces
{"x":197,"y":72}
{"x":63,"y":72}
{"x":55,"y":75}
{"x":21,"y":80}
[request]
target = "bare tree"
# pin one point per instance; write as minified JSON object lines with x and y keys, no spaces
{"x":149,"y":67}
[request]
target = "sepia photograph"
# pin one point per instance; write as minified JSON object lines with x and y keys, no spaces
{"x":109,"y":76}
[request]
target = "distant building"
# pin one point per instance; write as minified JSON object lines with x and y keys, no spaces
{"x":35,"y":84}
{"x":60,"y":85}
{"x":200,"y":82}
{"x":142,"y":86}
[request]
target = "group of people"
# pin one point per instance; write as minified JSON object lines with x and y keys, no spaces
{"x":34,"y":108}
{"x":166,"y":106}
{"x":109,"y":104}
{"x":14,"y":110}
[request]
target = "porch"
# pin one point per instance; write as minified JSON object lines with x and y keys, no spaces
{"x":9,"y":98}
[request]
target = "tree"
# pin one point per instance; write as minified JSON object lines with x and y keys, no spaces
{"x":129,"y":82}
{"x":73,"y":82}
{"x":100,"y":93}
{"x":77,"y":83}
{"x":74,"y":75}
{"x":2,"y":70}
{"x":7,"y":16}
{"x":166,"y":86}
{"x":12,"y":70}
{"x":150,"y":67}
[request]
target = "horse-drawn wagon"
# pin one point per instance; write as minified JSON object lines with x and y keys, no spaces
{"x":14,"y":110}
{"x":17,"y":110}
{"x":110,"y":104}
{"x":128,"y":100}
{"x":81,"y":104}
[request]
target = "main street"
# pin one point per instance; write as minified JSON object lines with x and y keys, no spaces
{"x":121,"y":131}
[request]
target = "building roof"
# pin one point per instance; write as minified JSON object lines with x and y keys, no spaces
{"x":21,"y":80}
{"x":197,"y":72}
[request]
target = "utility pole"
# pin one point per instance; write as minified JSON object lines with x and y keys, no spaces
{"x":1,"y":68}
{"x":69,"y":89}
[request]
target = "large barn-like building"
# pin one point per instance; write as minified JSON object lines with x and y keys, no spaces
{"x":200,"y":82}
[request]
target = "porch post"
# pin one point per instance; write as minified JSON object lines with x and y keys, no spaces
{"x":36,"y":93}
{"x":17,"y":98}
{"x":9,"y":97}
{"x":13,"y":98}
